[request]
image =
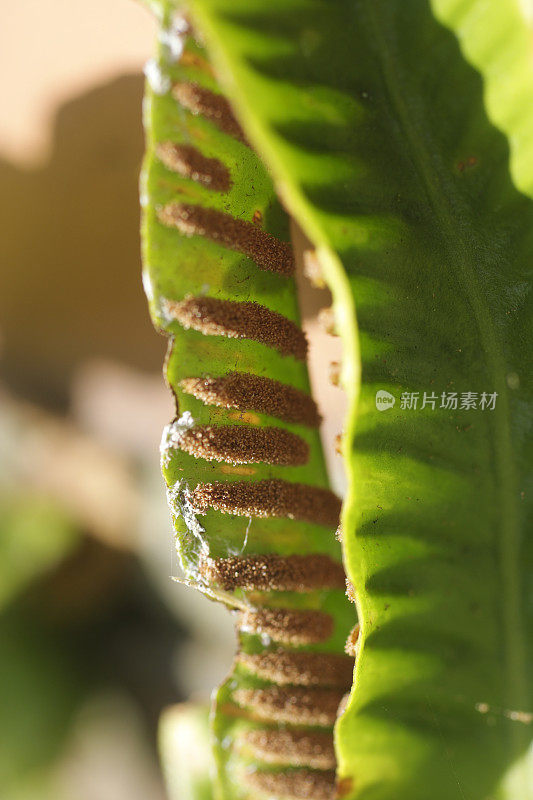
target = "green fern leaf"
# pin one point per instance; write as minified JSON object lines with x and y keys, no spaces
{"x":399,"y":137}
{"x":254,"y":519}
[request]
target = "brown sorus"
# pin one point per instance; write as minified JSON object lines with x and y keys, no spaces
{"x":300,"y":668}
{"x":243,"y":444}
{"x":295,"y":705}
{"x":293,"y":784}
{"x":205,"y":103}
{"x":288,"y":747}
{"x":290,"y":626}
{"x":240,"y":320}
{"x":189,"y":162}
{"x":274,"y":573}
{"x":246,"y":392}
{"x":264,"y":249}
{"x":269,"y":498}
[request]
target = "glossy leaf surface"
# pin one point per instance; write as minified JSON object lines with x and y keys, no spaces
{"x":399,"y":136}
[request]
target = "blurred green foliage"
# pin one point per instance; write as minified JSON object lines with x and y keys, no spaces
{"x":39,"y":688}
{"x":35,"y":535}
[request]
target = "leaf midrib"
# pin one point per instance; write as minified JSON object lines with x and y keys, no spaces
{"x":435,"y":186}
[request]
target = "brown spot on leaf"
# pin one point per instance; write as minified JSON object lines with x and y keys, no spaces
{"x":334,"y":373}
{"x":351,"y":641}
{"x":344,"y":787}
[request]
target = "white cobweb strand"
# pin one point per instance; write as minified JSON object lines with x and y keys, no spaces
{"x":179,"y":495}
{"x":172,"y":435}
{"x":181,"y":505}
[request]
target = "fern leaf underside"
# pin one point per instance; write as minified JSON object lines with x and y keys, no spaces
{"x":254,"y":519}
{"x":398,"y":136}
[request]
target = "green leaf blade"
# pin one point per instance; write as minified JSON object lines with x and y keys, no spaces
{"x":431,"y":211}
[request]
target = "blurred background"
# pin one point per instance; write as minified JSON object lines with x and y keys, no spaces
{"x":95,"y":638}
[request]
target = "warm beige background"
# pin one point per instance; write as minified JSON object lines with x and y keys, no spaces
{"x":82,"y":401}
{"x":52,"y":50}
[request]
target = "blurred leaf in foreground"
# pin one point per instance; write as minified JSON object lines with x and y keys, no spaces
{"x":186,"y":752}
